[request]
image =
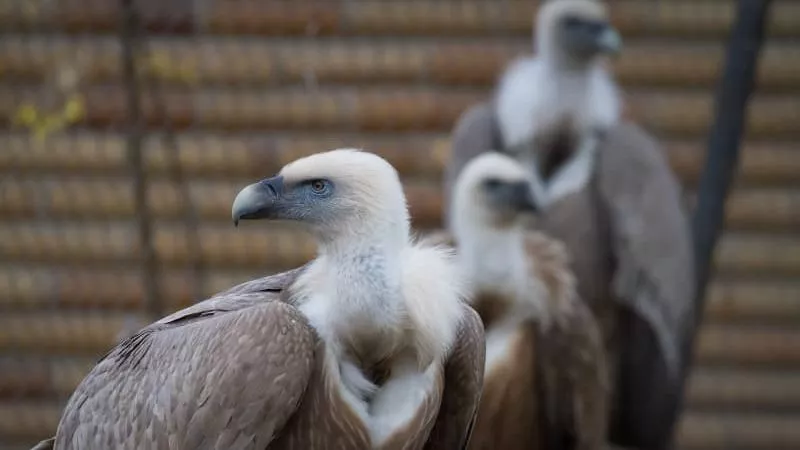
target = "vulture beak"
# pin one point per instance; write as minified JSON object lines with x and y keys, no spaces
{"x":259,"y":200}
{"x":608,"y":40}
{"x":516,"y":197}
{"x":521,"y":197}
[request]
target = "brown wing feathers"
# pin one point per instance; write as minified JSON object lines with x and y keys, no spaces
{"x":572,"y":352}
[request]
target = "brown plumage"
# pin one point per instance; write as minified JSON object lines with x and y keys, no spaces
{"x":282,"y":362}
{"x":611,"y":198}
{"x":545,"y":382}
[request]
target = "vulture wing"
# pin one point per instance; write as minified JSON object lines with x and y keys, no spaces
{"x":654,"y":277}
{"x":571,"y":356}
{"x":463,"y":385}
{"x":576,"y":387}
{"x":650,"y":233}
{"x":225,"y":373}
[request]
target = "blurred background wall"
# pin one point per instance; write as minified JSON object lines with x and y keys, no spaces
{"x":231,"y":90}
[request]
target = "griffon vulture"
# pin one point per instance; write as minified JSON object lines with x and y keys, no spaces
{"x":608,"y":193}
{"x":368,"y":346}
{"x":545,"y":381}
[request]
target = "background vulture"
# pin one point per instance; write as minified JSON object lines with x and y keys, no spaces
{"x":608,"y":193}
{"x":545,"y":382}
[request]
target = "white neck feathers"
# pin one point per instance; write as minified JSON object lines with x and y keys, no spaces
{"x":385,"y":296}
{"x":536,"y":99}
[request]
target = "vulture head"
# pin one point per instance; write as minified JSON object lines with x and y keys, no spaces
{"x":574,"y":32}
{"x":493,"y":191}
{"x":344,"y":193}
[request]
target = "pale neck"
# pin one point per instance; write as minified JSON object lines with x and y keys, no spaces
{"x":366,"y":260}
{"x":491,"y":257}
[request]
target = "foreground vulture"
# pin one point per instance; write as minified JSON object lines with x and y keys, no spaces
{"x":545,"y":382}
{"x":368,"y":346}
{"x":608,"y":193}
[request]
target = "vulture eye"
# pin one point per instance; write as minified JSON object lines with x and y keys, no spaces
{"x":319,"y":186}
{"x":492,"y":183}
{"x":576,"y":24}
{"x":572,"y":22}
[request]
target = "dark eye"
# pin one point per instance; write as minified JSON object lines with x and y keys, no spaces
{"x":572,"y":22}
{"x":492,"y":183}
{"x":318,"y":186}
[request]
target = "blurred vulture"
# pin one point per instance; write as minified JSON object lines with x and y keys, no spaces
{"x":545,"y":381}
{"x":608,"y":193}
{"x":368,"y":346}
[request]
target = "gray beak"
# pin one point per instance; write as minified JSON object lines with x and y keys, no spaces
{"x":609,"y":40}
{"x":521,"y":198}
{"x":258,"y":200}
{"x":515,"y":197}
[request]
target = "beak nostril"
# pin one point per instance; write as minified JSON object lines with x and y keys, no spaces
{"x":271,"y":188}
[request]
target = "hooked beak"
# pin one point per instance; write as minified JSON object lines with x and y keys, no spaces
{"x":517,"y":197}
{"x":609,"y":40}
{"x":258,"y":200}
{"x":522,"y":198}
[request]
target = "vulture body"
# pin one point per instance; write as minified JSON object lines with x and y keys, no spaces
{"x":545,"y":380}
{"x":368,"y":346}
{"x":608,"y":193}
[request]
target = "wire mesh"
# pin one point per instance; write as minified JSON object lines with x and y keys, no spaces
{"x":229,"y":91}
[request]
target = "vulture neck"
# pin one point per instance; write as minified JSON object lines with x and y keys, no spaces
{"x":367,"y":259}
{"x":354,"y":292}
{"x":494,"y":260}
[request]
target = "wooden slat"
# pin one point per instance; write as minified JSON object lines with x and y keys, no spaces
{"x":741,"y":300}
{"x":41,"y":376}
{"x":758,"y":254}
{"x":256,"y":245}
{"x":677,"y":18}
{"x":263,"y":245}
{"x":69,"y":287}
{"x":254,"y":155}
{"x":88,"y":333}
{"x":736,"y":431}
{"x":112,"y":197}
{"x":196,"y":61}
{"x":749,"y":346}
{"x":762,"y":163}
{"x":403,"y":108}
{"x":209,"y":155}
{"x":29,"y":420}
{"x":427,"y":17}
{"x":742,"y":389}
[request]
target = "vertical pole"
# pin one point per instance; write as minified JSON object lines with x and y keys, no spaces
{"x":135,"y":130}
{"x":730,"y":114}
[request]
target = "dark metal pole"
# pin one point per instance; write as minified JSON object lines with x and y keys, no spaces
{"x":730,"y":112}
{"x":135,"y":130}
{"x":176,"y":175}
